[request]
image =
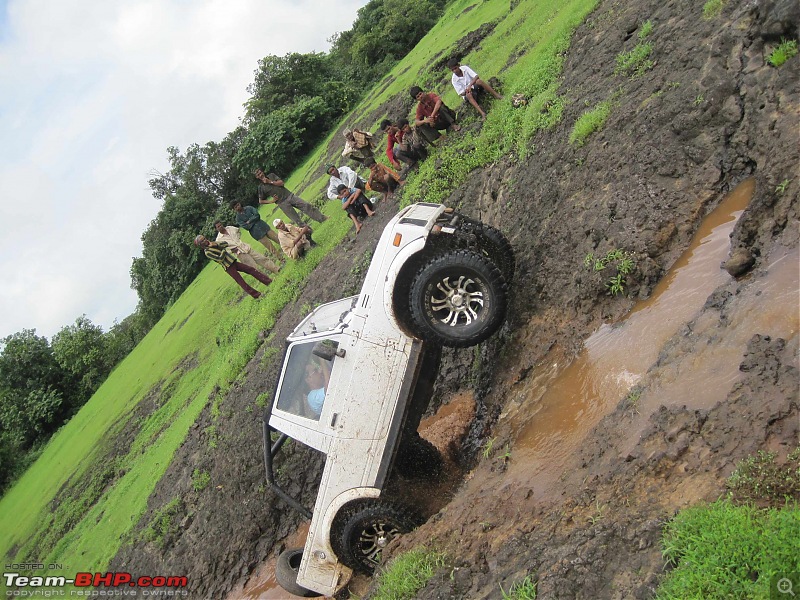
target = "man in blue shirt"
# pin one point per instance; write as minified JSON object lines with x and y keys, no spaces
{"x":248,"y":218}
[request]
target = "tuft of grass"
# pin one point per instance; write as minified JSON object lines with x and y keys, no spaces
{"x":637,"y":61}
{"x":723,"y":551}
{"x":407,"y":574}
{"x":521,"y":590}
{"x":781,"y":187}
{"x":200,"y":480}
{"x":712,"y":8}
{"x":760,"y":477}
{"x":589,"y":122}
{"x":785,"y":50}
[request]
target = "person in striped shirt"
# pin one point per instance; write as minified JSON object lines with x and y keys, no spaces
{"x":219,"y":253}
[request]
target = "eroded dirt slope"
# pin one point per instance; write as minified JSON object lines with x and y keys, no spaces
{"x":710,"y":114}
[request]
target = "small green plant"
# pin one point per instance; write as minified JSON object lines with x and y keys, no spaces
{"x":163,"y":524}
{"x":760,"y":477}
{"x":712,"y":8}
{"x":621,"y":260}
{"x":211,"y":432}
{"x":632,"y":399}
{"x":589,"y":122}
{"x":598,"y":513}
{"x":785,"y":50}
{"x":521,"y":590}
{"x":637,"y":61}
{"x":262,"y":400}
{"x":407,"y":574}
{"x":698,"y":100}
{"x":781,"y":187}
{"x":200,"y":480}
{"x":488,"y":447}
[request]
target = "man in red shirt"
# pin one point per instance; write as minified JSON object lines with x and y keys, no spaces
{"x":433,"y":115}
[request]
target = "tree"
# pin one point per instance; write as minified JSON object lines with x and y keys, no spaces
{"x":81,"y":351}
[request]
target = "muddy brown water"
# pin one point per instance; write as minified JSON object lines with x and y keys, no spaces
{"x":563,"y":400}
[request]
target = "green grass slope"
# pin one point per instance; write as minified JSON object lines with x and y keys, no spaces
{"x":75,"y":505}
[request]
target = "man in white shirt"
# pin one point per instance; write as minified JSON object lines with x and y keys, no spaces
{"x":343,"y":175}
{"x":465,"y":81}
{"x":243,"y":251}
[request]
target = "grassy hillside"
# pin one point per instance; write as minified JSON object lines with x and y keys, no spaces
{"x":80,"y":500}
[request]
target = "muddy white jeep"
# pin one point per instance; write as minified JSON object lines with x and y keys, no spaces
{"x":357,"y":377}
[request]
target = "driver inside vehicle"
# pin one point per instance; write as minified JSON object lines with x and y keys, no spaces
{"x":317,"y":377}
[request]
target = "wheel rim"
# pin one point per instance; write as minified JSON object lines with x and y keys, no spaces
{"x":458,"y":300}
{"x":373,"y":539}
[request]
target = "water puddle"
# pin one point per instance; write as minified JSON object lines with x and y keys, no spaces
{"x":563,"y":402}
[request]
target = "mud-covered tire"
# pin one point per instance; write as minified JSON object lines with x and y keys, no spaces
{"x":361,"y":532}
{"x":499,"y":249}
{"x":417,"y":457}
{"x":491,"y":242}
{"x":286,"y":573}
{"x":458,"y":298}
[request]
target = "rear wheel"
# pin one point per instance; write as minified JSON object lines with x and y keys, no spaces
{"x":361,"y":532}
{"x":286,"y":573}
{"x":458,"y":298}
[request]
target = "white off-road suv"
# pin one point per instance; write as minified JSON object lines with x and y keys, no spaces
{"x":357,"y":377}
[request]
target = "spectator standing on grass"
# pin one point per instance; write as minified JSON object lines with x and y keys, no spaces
{"x":219,"y":253}
{"x":466,"y":83}
{"x":244,"y":252}
{"x":271,"y":190}
{"x":248,"y":218}
{"x":432,"y":114}
{"x":295,"y":240}
{"x":356,"y":204}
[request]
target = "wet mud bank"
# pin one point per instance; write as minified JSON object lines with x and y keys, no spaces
{"x":584,"y":469}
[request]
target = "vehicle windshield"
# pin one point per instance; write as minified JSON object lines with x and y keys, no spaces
{"x":306,"y":378}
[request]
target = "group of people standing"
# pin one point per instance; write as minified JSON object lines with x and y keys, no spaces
{"x":404,"y":143}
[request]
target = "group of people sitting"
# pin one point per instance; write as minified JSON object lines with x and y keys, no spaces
{"x":404,"y":144}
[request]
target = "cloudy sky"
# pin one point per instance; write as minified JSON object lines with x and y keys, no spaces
{"x":92,"y":92}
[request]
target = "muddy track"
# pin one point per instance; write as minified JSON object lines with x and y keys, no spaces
{"x":709,"y":115}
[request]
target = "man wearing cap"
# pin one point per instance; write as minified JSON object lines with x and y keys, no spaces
{"x":271,"y":190}
{"x":343,"y":175}
{"x":248,"y":218}
{"x":432,"y":114}
{"x":294,"y":240}
{"x":219,"y":253}
{"x":242,"y":251}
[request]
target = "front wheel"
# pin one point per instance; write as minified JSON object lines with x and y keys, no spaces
{"x":286,"y":573}
{"x":360,"y":533}
{"x":458,"y":299}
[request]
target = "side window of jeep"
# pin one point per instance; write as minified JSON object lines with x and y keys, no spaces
{"x":306,"y":378}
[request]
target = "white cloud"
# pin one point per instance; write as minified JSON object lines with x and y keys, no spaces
{"x":93,"y":93}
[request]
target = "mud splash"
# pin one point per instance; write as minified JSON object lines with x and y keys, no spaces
{"x":562,"y":402}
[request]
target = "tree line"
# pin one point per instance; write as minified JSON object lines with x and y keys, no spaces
{"x":294,"y":101}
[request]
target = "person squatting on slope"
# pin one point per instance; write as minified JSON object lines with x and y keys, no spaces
{"x":467,"y":84}
{"x":295,"y":241}
{"x":432,"y":114}
{"x":356,"y":204}
{"x":343,"y":175}
{"x":219,"y":253}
